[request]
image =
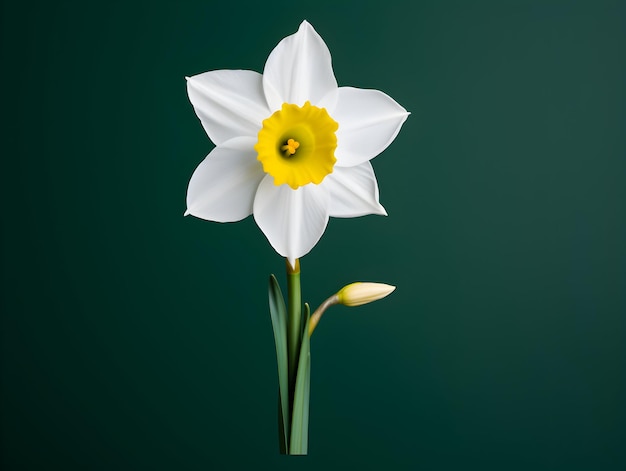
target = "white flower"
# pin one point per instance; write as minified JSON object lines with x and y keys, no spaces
{"x":292,"y":147}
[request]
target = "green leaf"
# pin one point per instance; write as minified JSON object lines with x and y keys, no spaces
{"x":282,"y":431}
{"x":278,"y":313}
{"x":298,"y":444}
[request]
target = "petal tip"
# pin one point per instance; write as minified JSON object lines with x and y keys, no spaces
{"x":187,"y":213}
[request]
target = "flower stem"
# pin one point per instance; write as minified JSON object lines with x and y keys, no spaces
{"x":294,"y":329}
{"x":317,"y":315}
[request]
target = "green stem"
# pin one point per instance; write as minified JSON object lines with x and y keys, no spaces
{"x":317,"y":315}
{"x":294,"y":330}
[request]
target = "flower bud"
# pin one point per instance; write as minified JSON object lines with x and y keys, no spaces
{"x":358,"y":293}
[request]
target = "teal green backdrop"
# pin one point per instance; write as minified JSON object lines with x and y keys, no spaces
{"x":134,"y":338}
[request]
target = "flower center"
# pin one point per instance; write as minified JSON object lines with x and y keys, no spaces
{"x":297,"y":145}
{"x":290,"y":147}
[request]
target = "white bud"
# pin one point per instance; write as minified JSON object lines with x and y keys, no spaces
{"x":358,"y":293}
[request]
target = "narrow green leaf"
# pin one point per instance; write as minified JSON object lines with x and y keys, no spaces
{"x":306,"y":312}
{"x":282,"y":434}
{"x":298,"y":444}
{"x":307,"y":385}
{"x":278,"y":313}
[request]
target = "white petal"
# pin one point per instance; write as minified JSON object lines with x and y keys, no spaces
{"x":223,"y":186}
{"x":353,"y":191}
{"x":292,"y":220}
{"x":229,"y":103}
{"x":368,"y":121}
{"x":299,"y":69}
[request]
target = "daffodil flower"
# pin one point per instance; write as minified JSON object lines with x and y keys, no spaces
{"x":292,"y":147}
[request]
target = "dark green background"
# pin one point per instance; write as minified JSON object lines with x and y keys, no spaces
{"x":134,"y":338}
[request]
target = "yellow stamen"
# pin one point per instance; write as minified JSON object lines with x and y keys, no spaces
{"x":290,"y":147}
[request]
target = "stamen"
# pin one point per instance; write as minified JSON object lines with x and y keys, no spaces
{"x":290,"y":148}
